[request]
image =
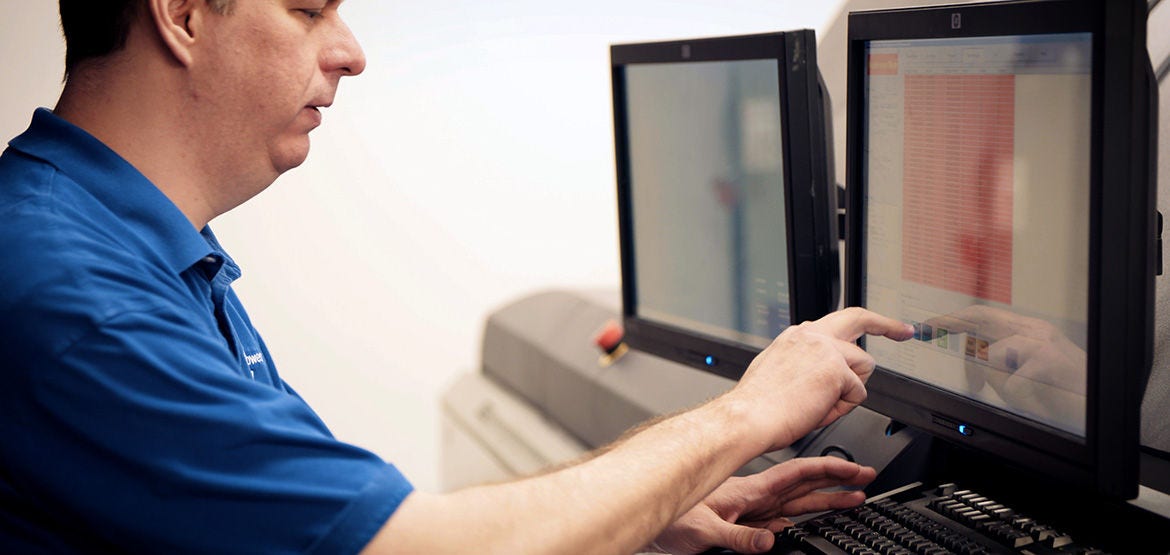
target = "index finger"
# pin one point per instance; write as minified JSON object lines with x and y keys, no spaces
{"x":853,"y":322}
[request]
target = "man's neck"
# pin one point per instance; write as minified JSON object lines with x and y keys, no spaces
{"x":139,"y":125}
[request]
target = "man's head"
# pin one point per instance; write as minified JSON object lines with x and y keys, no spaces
{"x":231,"y":88}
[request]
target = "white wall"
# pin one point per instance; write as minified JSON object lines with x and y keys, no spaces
{"x":32,"y":61}
{"x":471,"y":164}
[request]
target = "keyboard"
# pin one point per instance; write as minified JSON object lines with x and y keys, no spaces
{"x":920,"y":520}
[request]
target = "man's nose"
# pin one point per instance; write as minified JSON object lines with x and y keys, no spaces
{"x":344,"y":54}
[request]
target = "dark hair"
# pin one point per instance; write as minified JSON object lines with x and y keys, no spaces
{"x":95,"y":28}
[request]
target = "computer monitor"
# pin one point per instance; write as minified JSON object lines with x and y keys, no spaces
{"x":726,"y":197}
{"x":1001,"y":199}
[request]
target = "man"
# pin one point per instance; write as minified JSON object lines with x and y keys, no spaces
{"x":142,"y":411}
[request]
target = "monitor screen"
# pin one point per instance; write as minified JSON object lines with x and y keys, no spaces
{"x":978,"y":216}
{"x":706,"y":174}
{"x":1001,"y":201}
{"x":726,"y":201}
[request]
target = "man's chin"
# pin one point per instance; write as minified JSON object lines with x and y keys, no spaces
{"x":291,"y":156}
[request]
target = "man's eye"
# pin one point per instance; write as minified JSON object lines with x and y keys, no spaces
{"x":311,"y":14}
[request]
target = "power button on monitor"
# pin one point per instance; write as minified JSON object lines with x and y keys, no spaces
{"x":965,"y":430}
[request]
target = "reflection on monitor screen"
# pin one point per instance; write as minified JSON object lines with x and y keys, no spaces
{"x":706,"y":169}
{"x":978,"y":168}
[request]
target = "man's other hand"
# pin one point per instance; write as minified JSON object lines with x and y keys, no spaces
{"x":743,"y":514}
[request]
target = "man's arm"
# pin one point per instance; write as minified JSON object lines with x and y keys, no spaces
{"x":622,"y":499}
{"x":613,"y":503}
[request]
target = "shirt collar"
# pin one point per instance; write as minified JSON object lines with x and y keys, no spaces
{"x":220,"y":258}
{"x":118,"y":185}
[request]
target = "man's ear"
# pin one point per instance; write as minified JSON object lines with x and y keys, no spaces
{"x":178,"y":23}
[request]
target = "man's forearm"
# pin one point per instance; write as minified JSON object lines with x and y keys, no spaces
{"x":616,"y":502}
{"x":666,"y":469}
{"x":619,"y":501}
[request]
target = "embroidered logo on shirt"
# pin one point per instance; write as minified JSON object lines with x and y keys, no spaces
{"x":255,"y":359}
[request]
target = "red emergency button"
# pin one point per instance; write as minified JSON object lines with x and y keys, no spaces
{"x":609,"y":337}
{"x":609,"y":340}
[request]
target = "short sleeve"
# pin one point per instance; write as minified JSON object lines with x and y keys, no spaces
{"x":140,"y":434}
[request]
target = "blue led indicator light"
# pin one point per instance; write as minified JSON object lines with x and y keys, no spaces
{"x":964,"y":429}
{"x":710,"y":360}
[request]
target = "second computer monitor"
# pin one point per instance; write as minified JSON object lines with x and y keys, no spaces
{"x":727,"y":204}
{"x":1001,"y":201}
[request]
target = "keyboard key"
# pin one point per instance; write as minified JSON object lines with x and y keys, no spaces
{"x":1003,"y":513}
{"x":976,"y":519}
{"x":1058,"y":541}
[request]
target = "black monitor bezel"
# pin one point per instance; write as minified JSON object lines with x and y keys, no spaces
{"x":813,"y":266}
{"x":1121,"y":274}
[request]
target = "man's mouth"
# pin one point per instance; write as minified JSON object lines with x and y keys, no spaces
{"x":315,"y":114}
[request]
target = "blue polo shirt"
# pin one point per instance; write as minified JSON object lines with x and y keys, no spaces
{"x":139,"y":409}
